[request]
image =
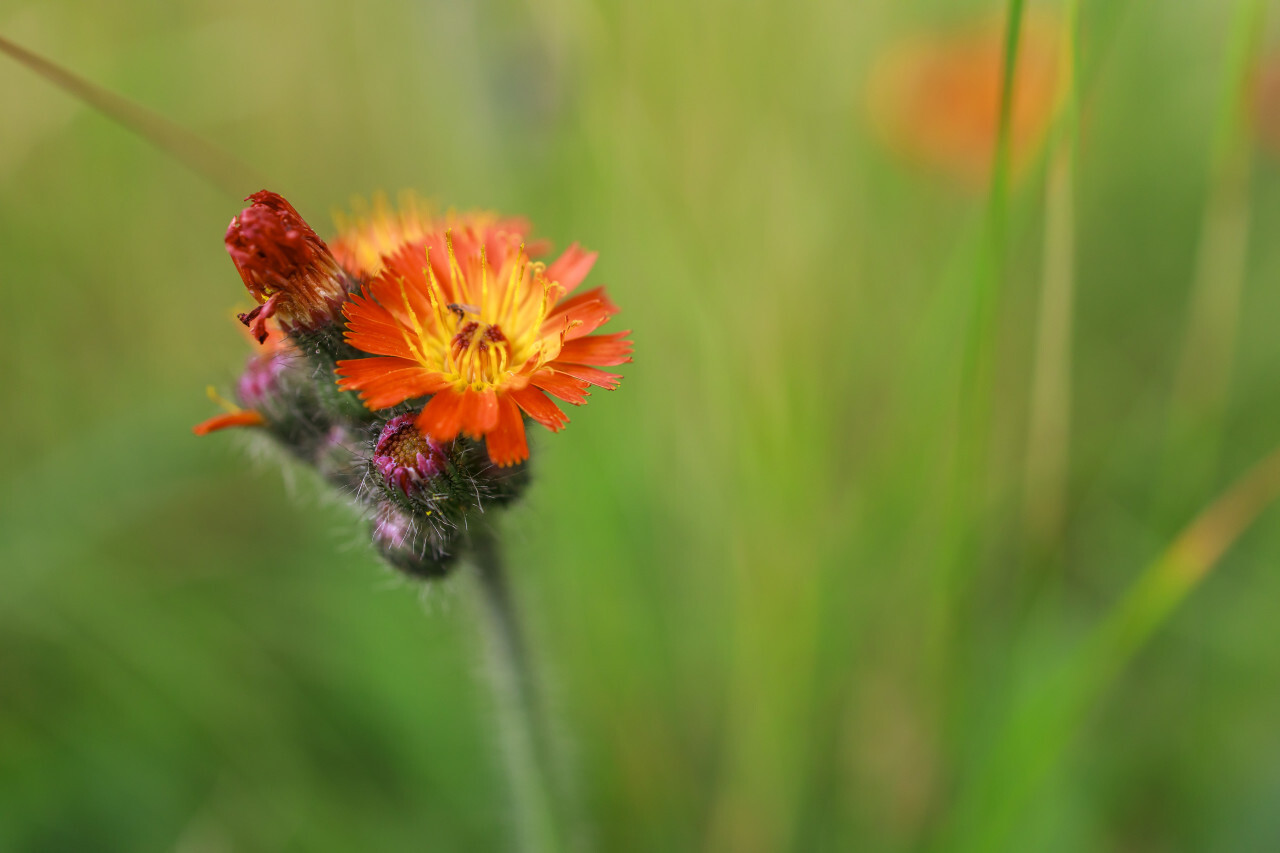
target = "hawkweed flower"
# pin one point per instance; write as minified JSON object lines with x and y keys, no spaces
{"x":486,"y":333}
{"x":512,"y":341}
{"x":400,"y":363}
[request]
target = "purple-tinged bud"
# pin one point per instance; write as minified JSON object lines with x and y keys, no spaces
{"x":261,"y":377}
{"x":407,"y":458}
{"x":338,"y":454}
{"x":393,"y":529}
{"x":409,"y":545}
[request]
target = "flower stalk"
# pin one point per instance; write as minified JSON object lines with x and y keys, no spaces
{"x":401,"y":364}
{"x":524,"y":739}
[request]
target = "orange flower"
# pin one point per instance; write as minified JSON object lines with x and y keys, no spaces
{"x":370,"y":235}
{"x":936,"y":98}
{"x":468,"y":318}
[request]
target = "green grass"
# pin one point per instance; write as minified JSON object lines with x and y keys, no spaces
{"x":789,"y":585}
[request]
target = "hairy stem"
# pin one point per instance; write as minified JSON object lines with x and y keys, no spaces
{"x":515,"y":702}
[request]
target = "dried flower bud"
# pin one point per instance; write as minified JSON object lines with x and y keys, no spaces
{"x":407,"y":458}
{"x":285,"y":265}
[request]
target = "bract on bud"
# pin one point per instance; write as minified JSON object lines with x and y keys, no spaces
{"x":261,"y":377}
{"x":286,"y":267}
{"x":408,"y":545}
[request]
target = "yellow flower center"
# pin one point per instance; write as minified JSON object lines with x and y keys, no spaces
{"x":405,"y":444}
{"x":482,"y":345}
{"x":480,"y":353}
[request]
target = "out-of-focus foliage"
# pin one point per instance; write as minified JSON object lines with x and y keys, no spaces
{"x":773,"y":615}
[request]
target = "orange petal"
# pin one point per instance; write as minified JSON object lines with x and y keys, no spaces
{"x":441,"y":418}
{"x":571,"y":267}
{"x":388,"y":342}
{"x":595,"y":294}
{"x":540,"y":408}
{"x":372,"y":328}
{"x":356,"y":372}
{"x":384,"y":382}
{"x":585,"y":313}
{"x":232,"y":419}
{"x":506,"y":442}
{"x":404,"y":280}
{"x":559,"y":385}
{"x":479,"y":412}
{"x":601,"y":350}
{"x":608,"y":381}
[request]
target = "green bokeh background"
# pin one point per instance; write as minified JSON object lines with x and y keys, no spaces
{"x":734,"y":570}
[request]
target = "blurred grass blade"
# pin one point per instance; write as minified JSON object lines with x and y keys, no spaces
{"x":1204,"y":374}
{"x":1049,"y":428}
{"x":967,"y":479}
{"x":961,"y":533}
{"x":197,"y":154}
{"x":975,"y":390}
{"x":1044,"y":721}
{"x":989,"y":270}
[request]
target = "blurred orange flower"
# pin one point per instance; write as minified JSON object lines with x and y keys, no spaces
{"x":935,"y":98}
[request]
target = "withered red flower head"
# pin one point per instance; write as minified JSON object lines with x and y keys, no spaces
{"x":286,"y":267}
